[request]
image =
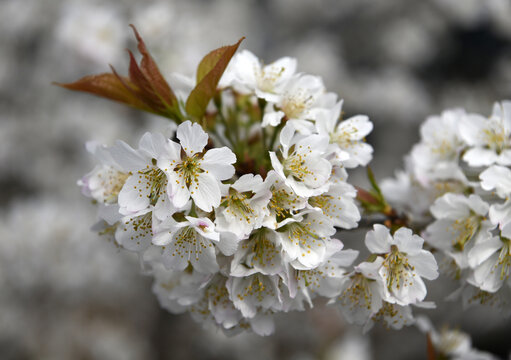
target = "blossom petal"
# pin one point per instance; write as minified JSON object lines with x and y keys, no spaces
{"x":193,"y":139}
{"x":480,"y":157}
{"x":483,"y":250}
{"x":425,"y":264}
{"x":219,"y":162}
{"x":127,"y":158}
{"x":205,"y":192}
{"x":378,"y":240}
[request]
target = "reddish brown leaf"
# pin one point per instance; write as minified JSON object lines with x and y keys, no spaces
{"x":110,"y":86}
{"x":145,"y":88}
{"x":152,"y":73}
{"x":209,"y":72}
{"x":366,"y":196}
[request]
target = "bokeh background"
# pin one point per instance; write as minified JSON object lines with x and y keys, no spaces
{"x":67,"y":294}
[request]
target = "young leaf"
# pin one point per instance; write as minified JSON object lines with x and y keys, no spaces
{"x":144,"y":89}
{"x":209,"y":72}
{"x":110,"y":86}
{"x":152,"y":73}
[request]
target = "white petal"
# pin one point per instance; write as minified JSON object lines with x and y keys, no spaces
{"x":228,"y":243}
{"x":504,"y":158}
{"x":178,"y":192}
{"x":162,"y":238}
{"x":471,"y":129}
{"x":450,"y":206}
{"x":153,"y":145}
{"x":425,"y":264}
{"x":360,"y":154}
{"x":500,"y":213}
{"x":193,"y":139}
{"x":497,"y":177}
{"x":356,"y":127}
{"x":219,"y":162}
{"x":205,"y":192}
{"x":248,"y":182}
{"x":276,"y":164}
{"x":134,"y":195}
{"x":127,"y":158}
{"x":378,"y":240}
{"x":480,"y":157}
{"x":286,"y":135}
{"x":407,"y":242}
{"x":483,"y":250}
{"x":272,"y":118}
{"x":263,"y":325}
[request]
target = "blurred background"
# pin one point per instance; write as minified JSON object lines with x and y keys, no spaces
{"x":67,"y":294}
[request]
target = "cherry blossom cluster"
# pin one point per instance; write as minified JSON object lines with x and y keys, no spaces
{"x":458,"y":183}
{"x":235,"y":214}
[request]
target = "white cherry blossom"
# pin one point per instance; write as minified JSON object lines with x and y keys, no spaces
{"x":489,"y":138}
{"x":436,"y":157}
{"x":284,"y":202}
{"x":346,"y":136}
{"x":261,"y":252}
{"x":196,"y":174}
{"x":147,"y":182}
{"x":361,"y":292}
{"x":338,"y":204}
{"x":303,"y":166}
{"x":254,"y":292}
{"x":244,"y":208}
{"x":324,"y":280}
{"x":247,"y":74}
{"x":301,"y":94}
{"x":460,"y":224}
{"x":404,"y":264}
{"x":135,"y":232}
{"x":304,"y":239}
{"x":491,"y":261}
{"x":188,"y":242}
{"x":451,"y":343}
{"x":497,"y":178}
{"x":106,"y":180}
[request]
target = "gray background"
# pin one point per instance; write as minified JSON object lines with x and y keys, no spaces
{"x":65,"y":293}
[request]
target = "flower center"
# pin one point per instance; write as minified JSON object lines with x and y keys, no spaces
{"x":466,"y":229}
{"x":141,"y":226}
{"x":190,"y":169}
{"x":344,"y":138}
{"x":358,"y":293}
{"x":256,"y":288}
{"x":281,"y":203}
{"x":264,"y":250}
{"x":323,"y":202}
{"x":238,"y":206}
{"x":398,"y":269}
{"x":300,"y":233}
{"x":295,"y":166}
{"x":156,"y":180}
{"x":496,"y":137}
{"x":293,"y":105}
{"x":112,"y":182}
{"x":445,"y":149}
{"x":504,"y":259}
{"x":267,"y":77}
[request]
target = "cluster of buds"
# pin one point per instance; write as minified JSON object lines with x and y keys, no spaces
{"x":234,"y":214}
{"x":460,"y":174}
